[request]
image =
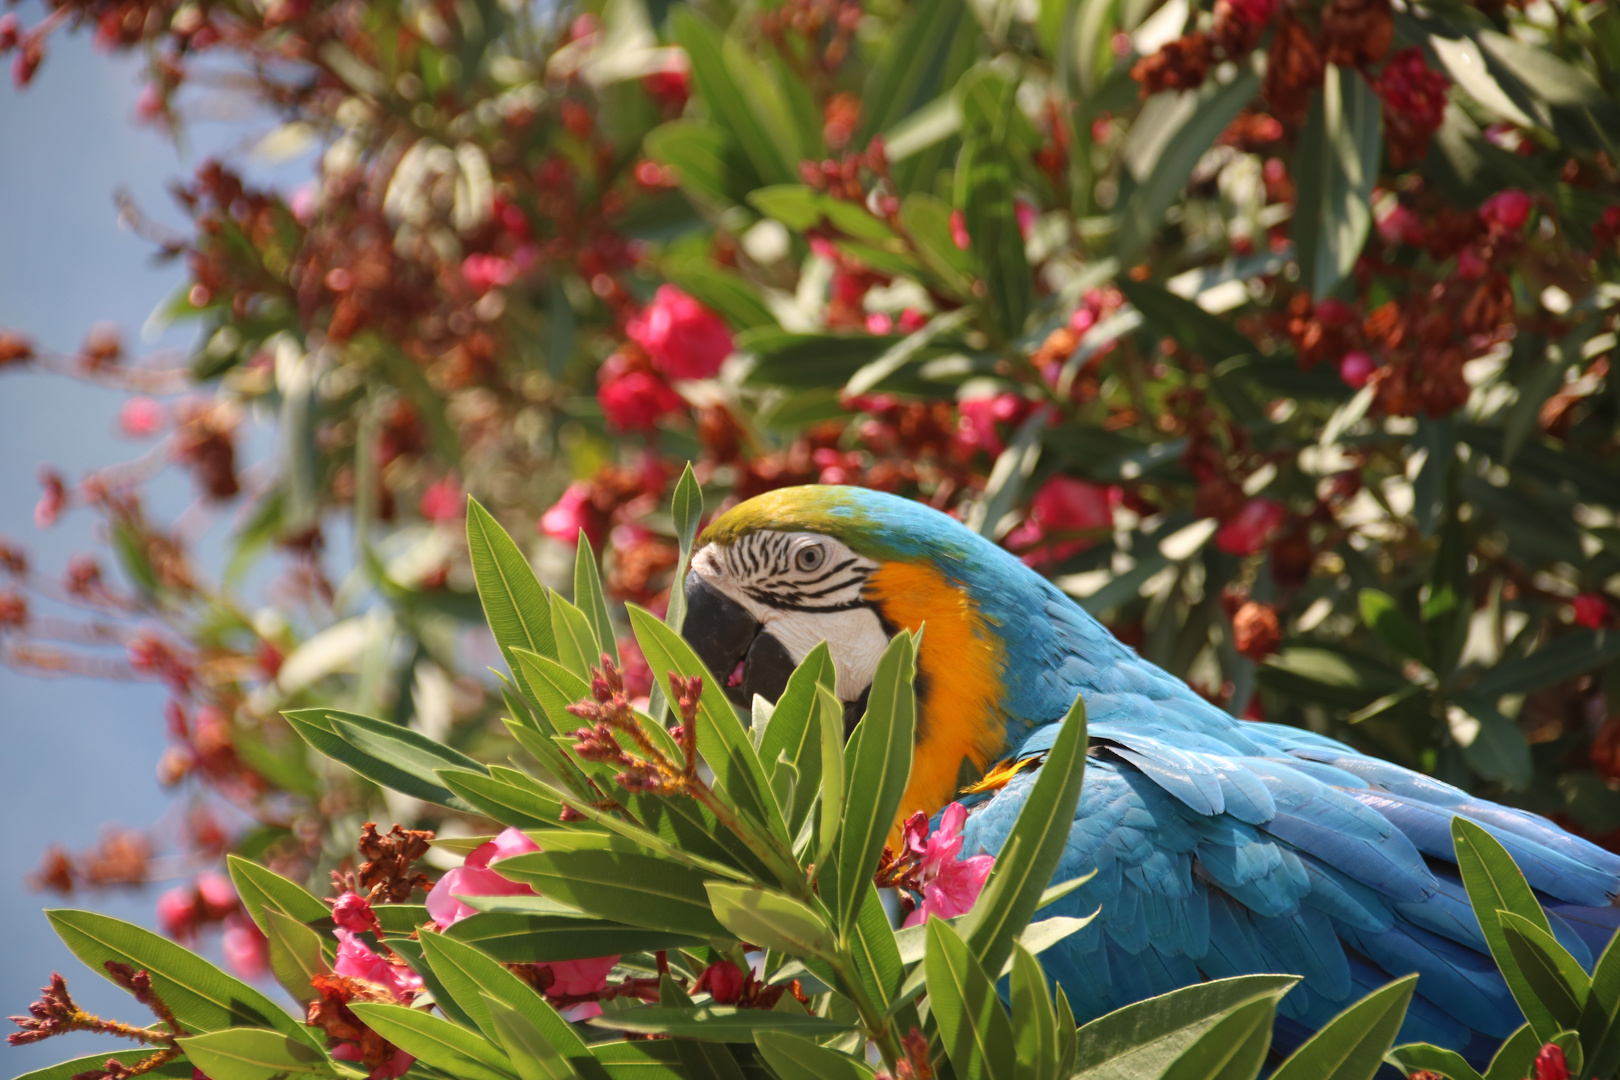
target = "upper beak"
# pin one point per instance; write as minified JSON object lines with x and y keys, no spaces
{"x":733,"y":644}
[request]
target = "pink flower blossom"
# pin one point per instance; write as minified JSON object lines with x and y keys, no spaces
{"x":177,"y":912}
{"x":569,"y":514}
{"x":246,"y":949}
{"x":1401,"y":225}
{"x":979,"y":416}
{"x":1506,"y":211}
{"x":353,"y":912}
{"x":475,"y":878}
{"x":724,"y":981}
{"x":573,"y":978}
{"x":879,"y":323}
{"x":1062,"y":507}
{"x":1550,"y":1063}
{"x":950,"y":884}
{"x":355,"y":960}
{"x":215,"y":890}
{"x":912,"y":320}
{"x":1471,"y":265}
{"x":443,"y":500}
{"x":1026,"y":215}
{"x":486,"y":272}
{"x":1251,"y":527}
{"x":51,"y":500}
{"x":685,"y":339}
{"x":959,"y":230}
{"x":141,"y":418}
{"x":637,"y":400}
{"x":1356,"y":368}
{"x":1591,"y":610}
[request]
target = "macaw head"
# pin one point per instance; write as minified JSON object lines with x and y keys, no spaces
{"x":776,"y":575}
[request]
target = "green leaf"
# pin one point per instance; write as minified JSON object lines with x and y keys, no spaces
{"x":772,"y":920}
{"x":178,"y":1069}
{"x":1140,"y":1039}
{"x":830,"y":723}
{"x":644,"y":1059}
{"x":687,"y":508}
{"x":1554,"y":976}
{"x":984,"y":194}
{"x":1035,"y":1034}
{"x":514,"y":602}
{"x":927,"y":220}
{"x":537,"y":939}
{"x":962,"y":999}
{"x":716,"y":1023}
{"x":474,"y":979}
{"x":929,"y":49}
{"x":640,"y":890}
{"x":793,"y":735}
{"x":1234,"y":1048}
{"x":1391,"y":626}
{"x":588,"y":596}
{"x":907,"y":351}
{"x":533,"y":1055}
{"x":722,"y":740}
{"x":295,"y":955}
{"x":877,"y":951}
{"x":877,"y":763}
{"x":699,"y":1060}
{"x":263,"y":889}
{"x":1170,"y":134}
{"x":1353,"y":1044}
{"x":711,"y":165}
{"x":1213,"y":338}
{"x":203,"y":997}
{"x":529,"y":806}
{"x":1449,"y":605}
{"x":577,"y":647}
{"x":1600,"y":1035}
{"x":1336,"y":164}
{"x":1495,"y":884}
{"x":727,"y":292}
{"x":254,"y":1054}
{"x":1498,"y":750}
{"x":1555,"y":81}
{"x":793,"y":1057}
{"x":407,"y":750}
{"x":317,"y":728}
{"x":1513,"y":1059}
{"x":1569,"y":655}
{"x":809,"y":361}
{"x":1448,"y":1063}
{"x":1041,"y":832}
{"x":437,"y":1042}
{"x":714,"y":72}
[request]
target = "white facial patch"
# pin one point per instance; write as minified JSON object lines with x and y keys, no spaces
{"x":803,"y":588}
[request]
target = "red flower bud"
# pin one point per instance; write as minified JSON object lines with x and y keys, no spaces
{"x":1550,"y":1063}
{"x":724,"y":982}
{"x":1591,"y":610}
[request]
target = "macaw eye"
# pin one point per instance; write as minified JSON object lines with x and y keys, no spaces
{"x":809,"y":558}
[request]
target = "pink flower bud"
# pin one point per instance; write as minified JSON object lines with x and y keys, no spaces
{"x":723,"y":981}
{"x":141,"y":418}
{"x":1591,"y":610}
{"x":637,"y":400}
{"x":1253,"y":525}
{"x":247,"y":951}
{"x":684,"y":339}
{"x":1507,"y":211}
{"x":443,"y":500}
{"x":177,"y":913}
{"x":353,"y":912}
{"x":1550,"y":1063}
{"x":1356,"y":368}
{"x":959,"y":230}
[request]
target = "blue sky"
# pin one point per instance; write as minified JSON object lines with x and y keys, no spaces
{"x":76,"y":753}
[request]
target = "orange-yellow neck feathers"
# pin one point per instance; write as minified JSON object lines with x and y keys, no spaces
{"x":958,"y":678}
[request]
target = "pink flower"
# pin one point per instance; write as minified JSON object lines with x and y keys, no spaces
{"x":442,"y":501}
{"x":1471,"y":265}
{"x":10,"y":31}
{"x":355,"y":960}
{"x":1550,"y":1063}
{"x":141,"y":418}
{"x":569,"y":514}
{"x":685,"y":339}
{"x":475,"y":878}
{"x":396,"y":1067}
{"x":215,"y":890}
{"x":1356,"y":368}
{"x":1591,"y":610}
{"x":724,"y":981}
{"x":177,"y":913}
{"x":1063,"y":506}
{"x":1400,"y":226}
{"x":51,"y":500}
{"x":637,"y":400}
{"x":1331,"y":312}
{"x":979,"y":417}
{"x":950,"y":884}
{"x":1250,"y":528}
{"x":959,"y":230}
{"x":1506,"y":211}
{"x":353,"y":912}
{"x":246,"y":949}
{"x":879,"y":323}
{"x":485,"y":272}
{"x":1026,"y":216}
{"x":668,"y":88}
{"x":574,"y":978}
{"x":912,"y":320}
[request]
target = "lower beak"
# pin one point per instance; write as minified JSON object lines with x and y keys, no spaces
{"x":733,"y":644}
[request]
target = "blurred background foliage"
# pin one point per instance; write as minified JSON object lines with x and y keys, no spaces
{"x":1277,"y":332}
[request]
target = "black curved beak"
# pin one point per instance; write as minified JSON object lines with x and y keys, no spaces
{"x":724,"y":636}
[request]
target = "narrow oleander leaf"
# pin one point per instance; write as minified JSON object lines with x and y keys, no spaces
{"x":623,"y":886}
{"x":351,"y":745}
{"x":532,"y":1054}
{"x":254,"y":1054}
{"x":203,"y":997}
{"x":588,"y":597}
{"x":1035,"y":1031}
{"x":1015,"y":886}
{"x":700,"y":1060}
{"x":772,"y":920}
{"x":877,"y":763}
{"x":1600,"y":1019}
{"x":1554,"y":975}
{"x":1390,"y":625}
{"x":1234,"y":1047}
{"x":474,"y":979}
{"x":1495,"y":884}
{"x":792,"y":736}
{"x":687,"y":508}
{"x":179,"y":1069}
{"x":643,"y":1059}
{"x":718,"y":1023}
{"x":577,"y":647}
{"x":436,"y":1041}
{"x":877,"y":952}
{"x":1513,"y":1058}
{"x":1142,"y":1039}
{"x":973,"y":1025}
{"x":517,"y":937}
{"x":793,"y":1057}
{"x":526,"y":806}
{"x":296,"y":955}
{"x":514,"y":603}
{"x":830,"y":724}
{"x":1353,"y":1044}
{"x":263,"y":889}
{"x":1416,"y":1057}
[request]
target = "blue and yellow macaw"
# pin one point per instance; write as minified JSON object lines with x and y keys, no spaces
{"x":1222,"y":847}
